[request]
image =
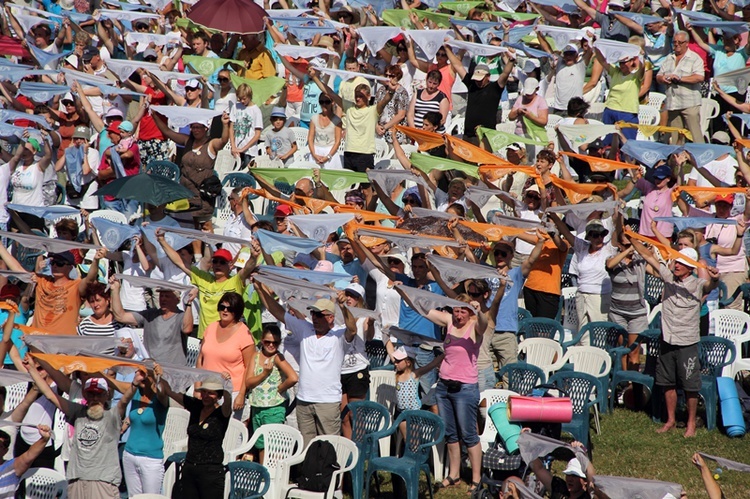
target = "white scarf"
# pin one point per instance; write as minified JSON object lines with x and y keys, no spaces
{"x":375,"y":37}
{"x":478,"y":49}
{"x":301,"y":51}
{"x":182,"y":116}
{"x":319,"y":227}
{"x":123,"y":69}
{"x":348,"y":75}
{"x":124,"y":15}
{"x":614,"y":51}
{"x":561,"y":36}
{"x":429,"y":41}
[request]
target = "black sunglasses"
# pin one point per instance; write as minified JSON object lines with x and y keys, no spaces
{"x":150,"y":59}
{"x":219,"y":260}
{"x":223,"y":79}
{"x":221,"y":307}
{"x":325,"y":102}
{"x":411,"y":200}
{"x":595,"y":234}
{"x":394,"y":261}
{"x":68,"y":103}
{"x":389,"y":75}
{"x":502,"y":253}
{"x":58,"y":263}
{"x":475,"y":295}
{"x":315,"y":313}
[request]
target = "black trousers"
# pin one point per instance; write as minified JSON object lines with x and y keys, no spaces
{"x":541,"y":304}
{"x":205,"y":481}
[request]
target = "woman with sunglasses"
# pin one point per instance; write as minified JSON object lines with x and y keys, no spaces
{"x":71,"y":116}
{"x":324,"y":137}
{"x":228,"y":348}
{"x":394,"y":112}
{"x":227,"y":97}
{"x":269,"y":378}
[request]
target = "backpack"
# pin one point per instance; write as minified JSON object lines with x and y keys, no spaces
{"x":318,"y":467}
{"x":210,"y":188}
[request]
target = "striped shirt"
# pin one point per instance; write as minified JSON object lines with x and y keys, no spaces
{"x":8,"y":480}
{"x":88,"y":327}
{"x":422,"y":107}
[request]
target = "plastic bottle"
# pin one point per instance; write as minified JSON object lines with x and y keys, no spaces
{"x":274,"y":149}
{"x":717,"y":473}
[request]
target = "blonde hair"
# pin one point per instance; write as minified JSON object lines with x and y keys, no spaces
{"x":243,"y":91}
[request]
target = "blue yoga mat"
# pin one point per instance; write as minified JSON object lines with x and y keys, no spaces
{"x":731,"y":412}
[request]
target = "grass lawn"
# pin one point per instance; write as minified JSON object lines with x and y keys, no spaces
{"x":630,"y":446}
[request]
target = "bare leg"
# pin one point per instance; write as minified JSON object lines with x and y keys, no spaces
{"x":454,"y":462}
{"x":475,"y":459}
{"x":670,"y":398}
{"x":692,"y":406}
{"x":346,"y":422}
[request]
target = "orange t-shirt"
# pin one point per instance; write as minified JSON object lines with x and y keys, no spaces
{"x":227,"y":355}
{"x":57,"y":307}
{"x":446,"y":84}
{"x":295,"y":86}
{"x":546,"y":273}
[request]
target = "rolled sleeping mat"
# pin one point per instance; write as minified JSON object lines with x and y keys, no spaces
{"x":540,"y":409}
{"x":731,"y":412}
{"x":508,"y":432}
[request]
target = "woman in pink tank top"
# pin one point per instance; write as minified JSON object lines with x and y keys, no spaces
{"x":458,"y":387}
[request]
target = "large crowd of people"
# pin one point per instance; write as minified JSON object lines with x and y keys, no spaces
{"x":351,"y":187}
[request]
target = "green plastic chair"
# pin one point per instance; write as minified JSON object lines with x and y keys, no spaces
{"x":581,"y":388}
{"x":367,"y":419}
{"x":423,"y":430}
{"x":248,"y":480}
{"x":714,"y":353}
{"x":650,"y":338}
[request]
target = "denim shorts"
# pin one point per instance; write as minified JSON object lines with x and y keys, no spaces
{"x":459,"y":413}
{"x":427,"y":380}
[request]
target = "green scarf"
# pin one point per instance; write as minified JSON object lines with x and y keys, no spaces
{"x":336,"y":180}
{"x":426,"y":163}
{"x":262,"y":89}
{"x":400,"y":18}
{"x":534,"y":131}
{"x":500,"y":140}
{"x":207,"y":66}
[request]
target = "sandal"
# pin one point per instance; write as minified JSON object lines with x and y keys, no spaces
{"x":451,"y":482}
{"x":473,"y":487}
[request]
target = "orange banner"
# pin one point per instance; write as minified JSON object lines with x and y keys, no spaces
{"x":600,"y":164}
{"x":473,"y":154}
{"x":743,"y":142}
{"x":317,"y":205}
{"x":35,"y":330}
{"x":667,"y":252}
{"x":703,"y":195}
{"x":493,"y":173}
{"x":8,"y":305}
{"x":264,"y":194}
{"x":71,"y":363}
{"x":494,"y":232}
{"x":367,"y":216}
{"x":578,"y":192}
{"x":425,"y":140}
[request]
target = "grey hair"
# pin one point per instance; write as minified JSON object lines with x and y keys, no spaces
{"x":683,"y":33}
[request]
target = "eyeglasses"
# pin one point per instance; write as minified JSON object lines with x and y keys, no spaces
{"x":150,"y":59}
{"x":389,"y":75}
{"x":442,"y":54}
{"x":411,"y":200}
{"x":68,"y":103}
{"x":475,"y":295}
{"x":222,"y":308}
{"x":58,"y":263}
{"x":223,"y":80}
{"x":502,"y":253}
{"x":219,"y":261}
{"x":315,"y":313}
{"x":678,"y":42}
{"x":191,"y":89}
{"x":325,"y":102}
{"x":394,"y":261}
{"x":271,"y":343}
{"x":595,"y":234}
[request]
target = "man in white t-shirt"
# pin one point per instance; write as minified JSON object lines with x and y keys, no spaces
{"x":321,"y":354}
{"x":239,"y":223}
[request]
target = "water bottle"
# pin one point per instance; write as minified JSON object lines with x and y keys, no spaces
{"x":717,"y":473}
{"x":274,"y":148}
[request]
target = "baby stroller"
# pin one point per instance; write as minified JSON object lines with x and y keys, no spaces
{"x":498,"y":464}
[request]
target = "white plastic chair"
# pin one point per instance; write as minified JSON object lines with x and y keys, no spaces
{"x":733,"y":325}
{"x":541,"y":352}
{"x":457,"y":126}
{"x":347,"y":455}
{"x":648,"y":115}
{"x":175,"y":431}
{"x":383,"y":391}
{"x":193,"y":349}
{"x":111,"y":215}
{"x":655,"y":99}
{"x":14,"y":394}
{"x":652,"y":313}
{"x":709,"y":111}
{"x":570,"y":311}
{"x":492,"y":396}
{"x":552,"y":121}
{"x":280,"y":442}
{"x":409,"y":149}
{"x":43,"y":483}
{"x":590,"y":360}
{"x":382,"y":150}
{"x":235,"y":440}
{"x":300,"y":135}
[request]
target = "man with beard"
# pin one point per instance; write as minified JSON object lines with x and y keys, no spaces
{"x":94,"y":467}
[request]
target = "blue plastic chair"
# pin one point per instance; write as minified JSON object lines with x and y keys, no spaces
{"x":522,"y":377}
{"x":539,"y":327}
{"x":581,"y":388}
{"x":523,"y":314}
{"x":654,"y":289}
{"x":651,"y":338}
{"x":165,"y":169}
{"x":714,"y":353}
{"x":378,"y":356}
{"x":423,"y":430}
{"x":248,"y":480}
{"x":367,"y":418}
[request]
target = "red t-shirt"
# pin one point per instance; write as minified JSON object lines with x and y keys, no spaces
{"x":26,"y":102}
{"x":148,"y":129}
{"x":132,"y":165}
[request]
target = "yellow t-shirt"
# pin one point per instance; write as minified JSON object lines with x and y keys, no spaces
{"x":623,"y":90}
{"x":209,"y":294}
{"x":346,"y":91}
{"x":360,"y":129}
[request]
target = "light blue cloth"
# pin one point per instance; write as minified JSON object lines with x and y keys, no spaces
{"x":272,"y":241}
{"x":725,"y":64}
{"x":313,"y":276}
{"x":642,"y":19}
{"x":378,"y":5}
{"x":41,"y":92}
{"x":10,"y":114}
{"x":530,"y":52}
{"x":74,"y":166}
{"x":705,"y":153}
{"x":45,"y":212}
{"x":46,"y":60}
{"x":16,"y":335}
{"x":113,"y":234}
{"x":729,"y":27}
{"x":308,"y":33}
{"x":410,"y":319}
{"x":176,"y":241}
{"x":117,"y":165}
{"x":683,"y":223}
{"x":647,"y":152}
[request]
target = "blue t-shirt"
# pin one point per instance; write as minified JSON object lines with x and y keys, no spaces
{"x":410,"y":319}
{"x":15,"y":336}
{"x":310,"y":105}
{"x":146,"y":428}
{"x":352,"y":268}
{"x":507,"y":314}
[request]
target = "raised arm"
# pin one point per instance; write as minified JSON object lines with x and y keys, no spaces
{"x":529,"y":262}
{"x":564,"y":230}
{"x":93,"y":272}
{"x":456,"y":63}
{"x":269,"y":303}
{"x":178,"y":138}
{"x":173,"y":256}
{"x":647,"y":254}
{"x":118,"y":311}
{"x":22,"y":463}
{"x":58,"y":400}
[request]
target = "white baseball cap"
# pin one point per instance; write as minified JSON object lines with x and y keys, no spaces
{"x":689,"y":253}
